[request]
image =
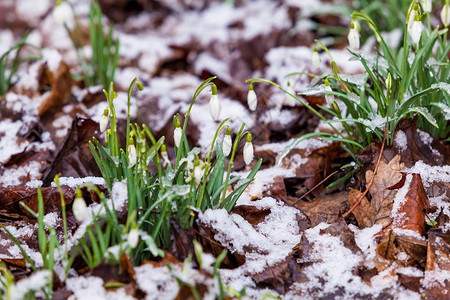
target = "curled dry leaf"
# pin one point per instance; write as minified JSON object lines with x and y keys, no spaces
{"x":411,"y":213}
{"x":378,"y":210}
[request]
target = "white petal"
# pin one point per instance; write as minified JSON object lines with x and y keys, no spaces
{"x":215,"y":107}
{"x":353,"y":39}
{"x":133,"y":238}
{"x":291,"y":101}
{"x":131,"y":156}
{"x":226,"y":144}
{"x":427,"y":5}
{"x":416,"y":31}
{"x":198,"y":174}
{"x":316,"y":60}
{"x":252,"y":100}
{"x":165,"y":157}
{"x":329,"y":98}
{"x":248,"y":153}
{"x":445,"y":15}
{"x":103,"y":123}
{"x":79,"y":209}
{"x":412,"y":16}
{"x":177,"y":136}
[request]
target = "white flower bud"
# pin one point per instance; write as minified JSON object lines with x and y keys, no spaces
{"x":198,"y":173}
{"x":252,"y":100}
{"x":353,"y":37}
{"x":291,"y":101}
{"x":388,"y":83}
{"x":214,"y":104}
{"x":164,"y":155}
{"x":79,"y":207}
{"x":177,"y":136}
{"x":227,"y":143}
{"x":132,"y":157}
{"x":248,"y":150}
{"x":329,"y":98}
{"x":61,"y":13}
{"x":133,"y":237}
{"x":315,"y":59}
{"x":427,"y":5}
{"x":445,"y":14}
{"x":104,"y":120}
{"x":416,"y":31}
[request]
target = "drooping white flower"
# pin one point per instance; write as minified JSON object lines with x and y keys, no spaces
{"x":411,"y":18}
{"x":133,"y":237}
{"x":104,"y":120}
{"x":198,"y":172}
{"x":164,"y":155}
{"x":214,"y":104}
{"x":291,"y":101}
{"x":132,"y":156}
{"x":252,"y":100}
{"x":329,"y":98}
{"x":416,"y":30}
{"x":79,"y":207}
{"x":353,"y":36}
{"x":427,"y":5}
{"x":315,"y":59}
{"x":61,"y":12}
{"x":248,"y":150}
{"x":227,"y":143}
{"x":177,"y":134}
{"x":445,"y":14}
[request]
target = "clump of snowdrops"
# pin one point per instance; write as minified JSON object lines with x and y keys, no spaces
{"x":412,"y":82}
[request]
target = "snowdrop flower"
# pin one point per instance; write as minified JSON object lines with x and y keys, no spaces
{"x":79,"y":207}
{"x":291,"y":101}
{"x":164,"y":155}
{"x":104,"y":120}
{"x":416,"y":30}
{"x":328,"y":98}
{"x":248,"y":150}
{"x":61,"y":12}
{"x":252,"y":100}
{"x":445,"y":14}
{"x":132,"y":157}
{"x":133,"y":237}
{"x":315,"y":59}
{"x":198,"y":172}
{"x":353,"y":36}
{"x":427,"y":5}
{"x":227,"y":143}
{"x":177,"y":134}
{"x":214,"y":104}
{"x":412,"y":17}
{"x":388,"y":83}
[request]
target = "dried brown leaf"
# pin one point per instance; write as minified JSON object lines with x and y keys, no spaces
{"x":411,"y":214}
{"x":363,"y":211}
{"x":323,"y":208}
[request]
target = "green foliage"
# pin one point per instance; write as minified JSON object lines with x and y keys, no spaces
{"x":411,"y":82}
{"x":8,"y":68}
{"x":390,"y":14}
{"x":105,"y":50}
{"x":173,"y":191}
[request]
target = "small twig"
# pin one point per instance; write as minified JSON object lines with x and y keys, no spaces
{"x":305,"y":194}
{"x":371,"y":179}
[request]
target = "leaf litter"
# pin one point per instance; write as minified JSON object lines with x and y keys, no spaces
{"x":306,"y":250}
